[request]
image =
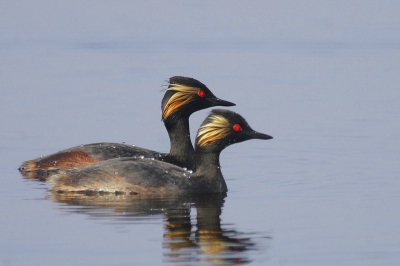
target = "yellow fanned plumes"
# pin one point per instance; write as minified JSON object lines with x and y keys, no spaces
{"x":218,"y":128}
{"x":181,"y":97}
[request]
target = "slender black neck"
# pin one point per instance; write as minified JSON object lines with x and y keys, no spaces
{"x":208,"y":176}
{"x":181,"y":152}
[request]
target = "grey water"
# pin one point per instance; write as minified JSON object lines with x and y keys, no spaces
{"x":321,"y":77}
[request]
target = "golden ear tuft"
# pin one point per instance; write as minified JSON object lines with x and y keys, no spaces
{"x":218,"y":128}
{"x":182,"y":96}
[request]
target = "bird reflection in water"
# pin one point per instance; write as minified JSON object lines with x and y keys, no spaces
{"x":186,"y":239}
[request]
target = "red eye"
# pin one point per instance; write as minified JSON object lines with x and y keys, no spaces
{"x":201,"y":93}
{"x":237,"y":127}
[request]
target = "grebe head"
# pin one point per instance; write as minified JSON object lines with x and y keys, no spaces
{"x":223,"y":128}
{"x":185,"y":96}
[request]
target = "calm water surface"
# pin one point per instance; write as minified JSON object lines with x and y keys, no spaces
{"x":322,"y":78}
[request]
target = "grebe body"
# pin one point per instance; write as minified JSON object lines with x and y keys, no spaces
{"x":183,"y":97}
{"x":151,"y":177}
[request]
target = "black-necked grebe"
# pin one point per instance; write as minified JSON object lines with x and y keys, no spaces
{"x":183,"y":97}
{"x":150,"y":177}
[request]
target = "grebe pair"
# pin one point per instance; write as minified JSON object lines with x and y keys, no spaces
{"x":163,"y":175}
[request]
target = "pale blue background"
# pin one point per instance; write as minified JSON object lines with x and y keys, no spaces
{"x":322,"y":77}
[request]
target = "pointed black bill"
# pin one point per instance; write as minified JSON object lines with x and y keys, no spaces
{"x":258,"y":135}
{"x":219,"y":102}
